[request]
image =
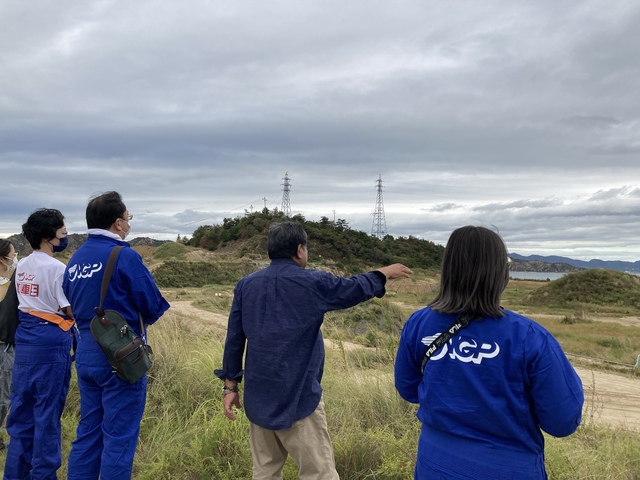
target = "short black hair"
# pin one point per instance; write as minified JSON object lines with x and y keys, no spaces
{"x":5,"y":248}
{"x":475,"y":272}
{"x":42,"y":225}
{"x":283,"y":239}
{"x":104,"y":209}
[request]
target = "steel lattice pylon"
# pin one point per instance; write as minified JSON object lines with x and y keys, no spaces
{"x":379,"y":228}
{"x":286,"y":201}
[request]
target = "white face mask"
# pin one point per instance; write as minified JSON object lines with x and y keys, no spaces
{"x":127,"y":221}
{"x":11,"y":266}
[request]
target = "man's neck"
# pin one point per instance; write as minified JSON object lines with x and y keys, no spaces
{"x":105,"y":233}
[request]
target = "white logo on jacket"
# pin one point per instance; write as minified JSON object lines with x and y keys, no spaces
{"x":464,"y":350}
{"x":86,"y":270}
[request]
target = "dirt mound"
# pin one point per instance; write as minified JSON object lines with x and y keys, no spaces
{"x":590,"y":287}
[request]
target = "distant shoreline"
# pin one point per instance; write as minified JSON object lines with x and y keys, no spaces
{"x":542,"y":276}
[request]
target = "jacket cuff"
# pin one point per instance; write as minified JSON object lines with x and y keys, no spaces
{"x":382,"y":277}
{"x":224,"y":375}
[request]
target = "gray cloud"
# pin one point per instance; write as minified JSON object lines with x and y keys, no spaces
{"x":521,"y":115}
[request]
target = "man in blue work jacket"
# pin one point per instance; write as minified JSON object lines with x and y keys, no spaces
{"x":276,"y":314}
{"x":110,"y":408}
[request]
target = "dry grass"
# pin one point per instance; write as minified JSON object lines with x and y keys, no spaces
{"x":186,"y":437}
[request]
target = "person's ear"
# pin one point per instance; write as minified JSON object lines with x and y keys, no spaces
{"x":300,"y":251}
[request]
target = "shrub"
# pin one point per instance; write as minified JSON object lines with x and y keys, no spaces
{"x":198,"y":274}
{"x":170,"y":250}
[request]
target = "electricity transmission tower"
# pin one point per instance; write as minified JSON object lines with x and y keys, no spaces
{"x":379,"y":228}
{"x":286,"y":203}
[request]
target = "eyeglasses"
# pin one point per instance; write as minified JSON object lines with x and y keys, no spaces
{"x":127,"y":218}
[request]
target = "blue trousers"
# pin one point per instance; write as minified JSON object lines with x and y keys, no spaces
{"x":107,"y":435}
{"x":39,"y":391}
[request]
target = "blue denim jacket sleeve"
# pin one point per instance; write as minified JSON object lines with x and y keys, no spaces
{"x":235,"y":343}
{"x":335,"y":293}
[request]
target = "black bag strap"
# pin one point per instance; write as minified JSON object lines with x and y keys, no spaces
{"x":462,"y":321}
{"x":108,"y":271}
{"x":106,"y":280}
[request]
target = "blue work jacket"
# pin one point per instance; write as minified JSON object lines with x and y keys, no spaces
{"x":487,"y":394}
{"x":132,"y":289}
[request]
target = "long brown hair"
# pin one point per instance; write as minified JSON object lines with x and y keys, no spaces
{"x":475,"y":272}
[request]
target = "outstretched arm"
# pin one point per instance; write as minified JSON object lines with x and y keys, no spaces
{"x":397,"y":270}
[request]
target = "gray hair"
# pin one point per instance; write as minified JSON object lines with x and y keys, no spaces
{"x":283,"y":239}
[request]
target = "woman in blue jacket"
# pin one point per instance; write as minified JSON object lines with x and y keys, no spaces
{"x":487,"y":393}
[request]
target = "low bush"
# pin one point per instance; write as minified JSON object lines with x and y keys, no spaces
{"x":173,"y":274}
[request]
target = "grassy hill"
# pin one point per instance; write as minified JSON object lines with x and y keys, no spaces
{"x":595,"y":290}
{"x":238,"y":246}
{"x":332,"y":242}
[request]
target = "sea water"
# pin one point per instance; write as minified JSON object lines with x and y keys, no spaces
{"x":536,"y":275}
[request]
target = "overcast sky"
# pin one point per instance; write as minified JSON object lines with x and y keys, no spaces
{"x":521,"y":116}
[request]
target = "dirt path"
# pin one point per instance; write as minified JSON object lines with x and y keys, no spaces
{"x":628,"y":321}
{"x":610,"y":398}
{"x":197,"y":320}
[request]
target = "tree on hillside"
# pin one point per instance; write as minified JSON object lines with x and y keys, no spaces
{"x":349,"y":249}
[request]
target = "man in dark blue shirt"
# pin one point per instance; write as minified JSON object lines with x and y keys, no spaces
{"x":276,"y":314}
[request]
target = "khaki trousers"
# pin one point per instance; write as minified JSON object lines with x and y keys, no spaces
{"x":308,"y":443}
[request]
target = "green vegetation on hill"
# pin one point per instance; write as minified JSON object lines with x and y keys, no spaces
{"x":198,"y":274}
{"x":375,"y":323}
{"x":594,"y":290}
{"x":170,"y":251}
{"x":330,"y":242}
{"x":240,"y":246}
